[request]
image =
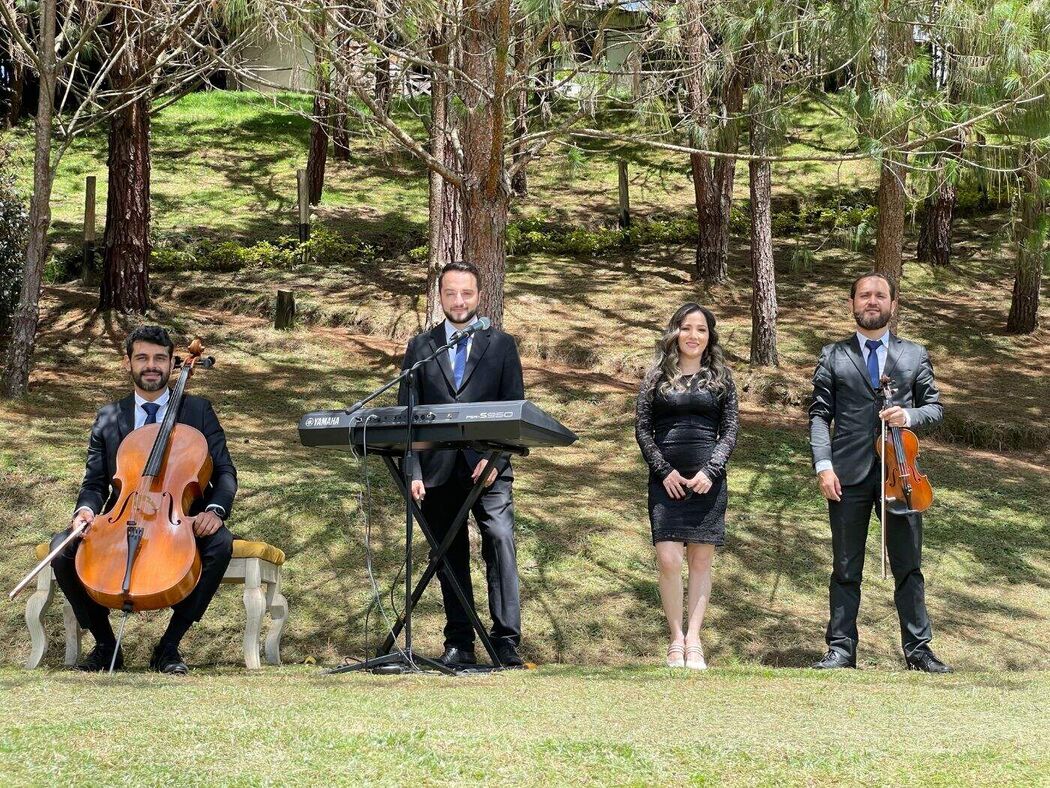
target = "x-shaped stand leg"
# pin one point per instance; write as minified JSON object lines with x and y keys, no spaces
{"x":438,"y":562}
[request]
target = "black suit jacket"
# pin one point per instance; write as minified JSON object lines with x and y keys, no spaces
{"x":116,"y":420}
{"x":842,"y":394}
{"x":492,"y":374}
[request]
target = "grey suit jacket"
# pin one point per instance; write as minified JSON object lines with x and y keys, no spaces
{"x":843,"y":398}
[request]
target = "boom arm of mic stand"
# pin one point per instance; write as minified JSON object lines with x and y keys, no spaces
{"x":404,"y":374}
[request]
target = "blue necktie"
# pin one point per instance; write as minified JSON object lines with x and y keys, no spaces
{"x":873,"y":361}
{"x":461,"y":363}
{"x":151,"y":409}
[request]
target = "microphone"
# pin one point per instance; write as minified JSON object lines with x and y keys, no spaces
{"x":481,"y":324}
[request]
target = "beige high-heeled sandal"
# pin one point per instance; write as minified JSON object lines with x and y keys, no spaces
{"x":676,"y":655}
{"x":694,"y":658}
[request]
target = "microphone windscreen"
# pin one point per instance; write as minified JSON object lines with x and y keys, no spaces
{"x":484,"y":324}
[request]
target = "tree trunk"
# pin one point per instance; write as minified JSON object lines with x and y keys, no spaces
{"x":125,"y":278}
{"x":725,"y":169}
{"x":764,"y":290}
{"x":382,"y":66}
{"x":712,"y":180}
{"x":445,"y":207}
{"x":708,"y":220}
{"x":340,"y":115}
{"x":889,"y":238}
{"x":319,"y":125}
{"x":519,"y":184}
{"x":1032,"y":252}
{"x":545,"y":84}
{"x":895,"y":43}
{"x":18,"y":85}
{"x":26,"y":317}
{"x":696,"y":77}
{"x":935,"y":232}
{"x":486,"y":195}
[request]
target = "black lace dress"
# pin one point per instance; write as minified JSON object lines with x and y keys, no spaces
{"x":687,"y":431}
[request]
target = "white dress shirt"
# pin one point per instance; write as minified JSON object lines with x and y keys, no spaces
{"x":140,"y":413}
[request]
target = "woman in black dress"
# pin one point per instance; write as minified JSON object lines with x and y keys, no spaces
{"x":687,"y":421}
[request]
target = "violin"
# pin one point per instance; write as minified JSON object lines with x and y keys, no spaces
{"x":142,"y":554}
{"x":904,"y":487}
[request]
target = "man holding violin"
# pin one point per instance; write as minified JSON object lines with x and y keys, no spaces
{"x":845,"y":387}
{"x":149,"y":358}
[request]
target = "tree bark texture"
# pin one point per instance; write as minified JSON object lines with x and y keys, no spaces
{"x":894,"y":46}
{"x":763,"y":273}
{"x":445,"y":206}
{"x":519,"y":183}
{"x":318,"y":153}
{"x":486,"y":194}
{"x":697,"y":78}
{"x":125,"y":278}
{"x":889,"y":236}
{"x":27,"y":315}
{"x":382,"y":65}
{"x":1032,"y":252}
{"x":935,"y":231}
{"x":725,"y":169}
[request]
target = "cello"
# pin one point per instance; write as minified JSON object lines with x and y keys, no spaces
{"x":905,"y":489}
{"x":142,"y":554}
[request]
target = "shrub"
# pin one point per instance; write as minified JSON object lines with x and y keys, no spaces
{"x":324,"y":248}
{"x":14,"y":235}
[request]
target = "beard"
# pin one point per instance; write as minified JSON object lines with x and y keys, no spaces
{"x":870,"y":322}
{"x":146,"y":385}
{"x":468,"y":319}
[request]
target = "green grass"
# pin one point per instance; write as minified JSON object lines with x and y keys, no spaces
{"x":586,"y":563}
{"x":224,"y":164}
{"x":740,"y":726}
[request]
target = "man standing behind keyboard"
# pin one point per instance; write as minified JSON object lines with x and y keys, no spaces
{"x":483,"y":368}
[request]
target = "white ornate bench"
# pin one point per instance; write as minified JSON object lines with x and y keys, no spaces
{"x":256,"y":565}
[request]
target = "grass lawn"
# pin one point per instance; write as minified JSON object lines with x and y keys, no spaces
{"x":224,"y":165}
{"x":554,"y":726}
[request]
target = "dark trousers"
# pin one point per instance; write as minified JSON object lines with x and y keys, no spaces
{"x":216,"y":551}
{"x":849,"y":532}
{"x":494,"y":514}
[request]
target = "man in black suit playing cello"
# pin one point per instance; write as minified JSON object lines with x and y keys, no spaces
{"x":150,"y":360}
{"x":485,"y":368}
{"x":848,"y":468}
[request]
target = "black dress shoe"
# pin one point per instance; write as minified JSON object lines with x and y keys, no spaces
{"x":927,"y":663}
{"x":508,"y":655}
{"x":100,"y":658}
{"x":457,"y":656}
{"x":832,"y":660}
{"x":166,"y":659}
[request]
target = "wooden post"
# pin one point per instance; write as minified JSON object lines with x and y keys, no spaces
{"x":285,"y":315}
{"x":624,"y":217}
{"x":87,"y":266}
{"x":304,"y":205}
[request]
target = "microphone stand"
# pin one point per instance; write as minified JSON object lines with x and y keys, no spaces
{"x":404,"y":660}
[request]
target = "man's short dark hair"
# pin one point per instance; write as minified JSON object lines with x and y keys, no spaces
{"x":460,"y":265}
{"x":888,"y":280}
{"x":155,"y":335}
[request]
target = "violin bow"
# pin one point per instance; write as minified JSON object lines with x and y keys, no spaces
{"x":886,"y":392}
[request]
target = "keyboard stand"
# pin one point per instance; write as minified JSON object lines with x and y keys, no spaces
{"x":437,"y":561}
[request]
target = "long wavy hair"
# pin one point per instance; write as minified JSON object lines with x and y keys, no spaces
{"x":714,"y":373}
